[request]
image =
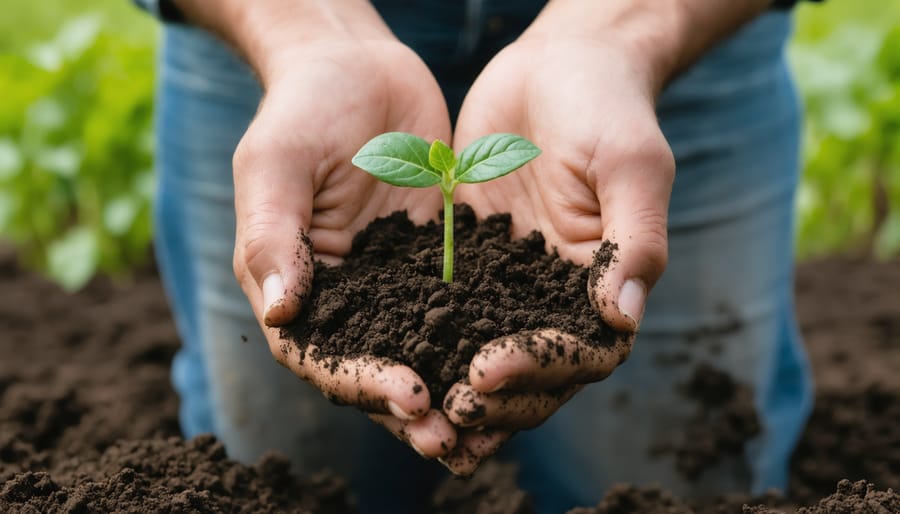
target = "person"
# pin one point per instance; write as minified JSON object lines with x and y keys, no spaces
{"x":618,"y":94}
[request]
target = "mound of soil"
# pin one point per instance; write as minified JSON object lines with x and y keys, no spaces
{"x":88,"y":419}
{"x":724,"y":420}
{"x":171,"y":475}
{"x":389,"y":289}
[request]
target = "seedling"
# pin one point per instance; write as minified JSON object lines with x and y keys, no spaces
{"x":406,"y":160}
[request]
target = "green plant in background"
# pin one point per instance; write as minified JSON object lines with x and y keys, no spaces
{"x":409,"y":161}
{"x":846,"y":58}
{"x":76,"y":142}
{"x":76,"y":176}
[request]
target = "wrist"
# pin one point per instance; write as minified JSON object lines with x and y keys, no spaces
{"x":269,"y":34}
{"x":660,"y":37}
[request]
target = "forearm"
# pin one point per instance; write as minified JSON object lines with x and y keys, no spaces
{"x":665,"y":35}
{"x":265,"y":31}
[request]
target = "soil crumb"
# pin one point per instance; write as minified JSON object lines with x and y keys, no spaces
{"x":857,"y":497}
{"x":492,"y":490}
{"x":173,"y":475}
{"x":853,"y":436}
{"x":388,"y":300}
{"x":86,"y":405}
{"x":725,"y":421}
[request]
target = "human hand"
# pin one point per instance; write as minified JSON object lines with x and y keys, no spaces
{"x":299,"y":198}
{"x":606,"y":173}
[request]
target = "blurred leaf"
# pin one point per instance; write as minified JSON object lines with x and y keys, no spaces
{"x":6,"y":210}
{"x":72,"y":260}
{"x":889,"y":56}
{"x":145,"y":185}
{"x":120,"y":213}
{"x":77,"y":35}
{"x":887,"y":241}
{"x":845,"y":70}
{"x":62,"y":160}
{"x":46,"y":56}
{"x":10,"y":159}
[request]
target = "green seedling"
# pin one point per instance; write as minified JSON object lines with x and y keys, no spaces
{"x":405,"y":160}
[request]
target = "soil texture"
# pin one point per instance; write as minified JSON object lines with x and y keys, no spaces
{"x":88,"y":419}
{"x":724,"y":420}
{"x":389,"y":289}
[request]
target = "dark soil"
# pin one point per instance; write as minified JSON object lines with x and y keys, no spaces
{"x":389,"y":289}
{"x":725,"y":419}
{"x":88,"y":419}
{"x":173,"y":475}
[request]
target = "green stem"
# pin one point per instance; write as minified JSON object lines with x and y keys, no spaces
{"x":448,"y":234}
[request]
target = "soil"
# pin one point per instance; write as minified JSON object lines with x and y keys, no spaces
{"x":88,"y":418}
{"x":724,"y":420}
{"x":389,"y":289}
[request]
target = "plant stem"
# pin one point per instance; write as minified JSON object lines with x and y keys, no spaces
{"x":448,"y":234}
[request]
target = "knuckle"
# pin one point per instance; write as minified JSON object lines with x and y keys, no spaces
{"x":239,"y":267}
{"x":250,"y":150}
{"x":638,"y":145}
{"x":653,"y":238}
{"x":655,"y":153}
{"x":256,"y":241}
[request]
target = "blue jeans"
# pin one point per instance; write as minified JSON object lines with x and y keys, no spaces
{"x":726,"y":298}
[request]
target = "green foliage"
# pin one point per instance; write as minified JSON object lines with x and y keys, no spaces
{"x":398,"y":159}
{"x":76,"y":176}
{"x":406,"y":160}
{"x":493,"y":156}
{"x":75,"y":132}
{"x":849,"y":74}
{"x":441,"y":157}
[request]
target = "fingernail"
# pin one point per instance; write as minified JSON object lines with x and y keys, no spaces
{"x":398,"y":412}
{"x":631,"y":300}
{"x":417,"y":449}
{"x":273,"y":294}
{"x":499,"y":386}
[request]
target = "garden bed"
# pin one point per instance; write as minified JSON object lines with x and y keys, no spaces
{"x":88,"y":418}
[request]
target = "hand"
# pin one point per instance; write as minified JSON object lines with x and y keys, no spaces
{"x":606,"y":172}
{"x":298,"y":197}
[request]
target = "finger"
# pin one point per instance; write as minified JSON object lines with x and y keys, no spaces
{"x":473,"y":448}
{"x":544,"y":360}
{"x":634,"y":201}
{"x":371,"y":384}
{"x":467,"y":407}
{"x":431,"y":436}
{"x":273,"y":206}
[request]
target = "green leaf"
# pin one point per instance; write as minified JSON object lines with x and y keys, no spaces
{"x":120,"y":213}
{"x":73,"y":259}
{"x":399,"y":159}
{"x":441,"y":157}
{"x":11,"y":160}
{"x":493,"y":156}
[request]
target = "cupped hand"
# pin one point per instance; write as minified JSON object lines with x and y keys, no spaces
{"x":605,"y":173}
{"x":517,"y":382}
{"x":299,"y":198}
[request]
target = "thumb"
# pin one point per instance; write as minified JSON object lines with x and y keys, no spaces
{"x":273,"y":255}
{"x":634,"y":205}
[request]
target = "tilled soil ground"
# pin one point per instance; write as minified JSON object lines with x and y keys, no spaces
{"x":88,"y":418}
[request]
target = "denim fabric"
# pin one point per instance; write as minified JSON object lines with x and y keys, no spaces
{"x":726,"y":298}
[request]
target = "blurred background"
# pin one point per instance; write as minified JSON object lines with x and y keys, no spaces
{"x":76,"y":146}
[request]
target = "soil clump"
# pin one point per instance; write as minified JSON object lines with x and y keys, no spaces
{"x":389,"y":289}
{"x":87,"y":412}
{"x":724,"y":420}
